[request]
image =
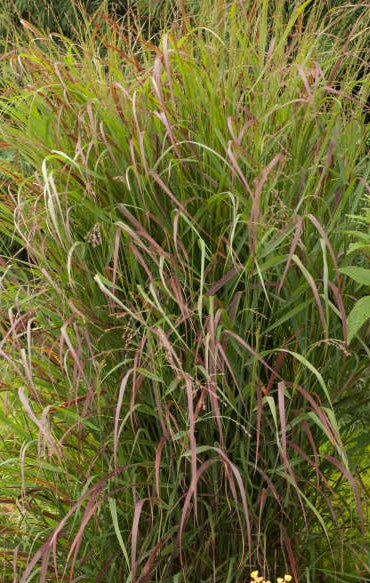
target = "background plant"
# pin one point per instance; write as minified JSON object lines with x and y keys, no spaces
{"x":174,"y":332}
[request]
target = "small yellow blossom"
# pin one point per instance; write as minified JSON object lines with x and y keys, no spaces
{"x":256,"y":579}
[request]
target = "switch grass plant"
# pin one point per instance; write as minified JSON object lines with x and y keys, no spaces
{"x":179,"y":399}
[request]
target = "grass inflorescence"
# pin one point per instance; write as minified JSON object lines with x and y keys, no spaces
{"x":183,"y":397}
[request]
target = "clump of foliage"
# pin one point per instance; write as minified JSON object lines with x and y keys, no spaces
{"x":174,"y":334}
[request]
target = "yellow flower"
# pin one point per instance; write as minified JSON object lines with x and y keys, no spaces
{"x":280,"y":580}
{"x":254,"y":575}
{"x":287,"y":577}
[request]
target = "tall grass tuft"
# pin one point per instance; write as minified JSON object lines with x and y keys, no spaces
{"x":176,"y":374}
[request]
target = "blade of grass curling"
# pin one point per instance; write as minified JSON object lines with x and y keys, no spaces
{"x":243,"y":496}
{"x":281,"y":403}
{"x":134,"y":537}
{"x":186,"y":507}
{"x":193,"y":443}
{"x":113,"y":510}
{"x":297,"y":234}
{"x":118,"y":412}
{"x":313,"y":286}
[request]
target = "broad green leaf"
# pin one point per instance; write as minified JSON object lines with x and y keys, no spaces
{"x":359,"y":274}
{"x":358,"y":316}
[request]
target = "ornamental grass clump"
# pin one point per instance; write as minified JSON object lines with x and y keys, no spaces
{"x":174,"y":344}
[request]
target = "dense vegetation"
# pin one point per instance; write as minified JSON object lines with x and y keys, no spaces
{"x":184,"y":308}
